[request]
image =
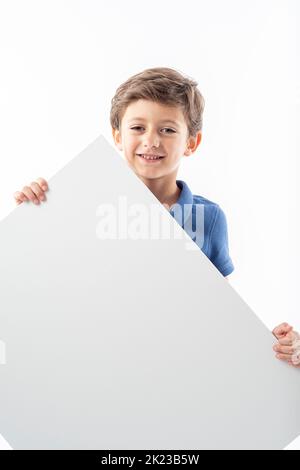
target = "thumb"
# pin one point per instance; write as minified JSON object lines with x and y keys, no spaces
{"x":282,"y":330}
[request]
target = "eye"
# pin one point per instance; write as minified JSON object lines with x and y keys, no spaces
{"x":135,"y":128}
{"x":168,"y":129}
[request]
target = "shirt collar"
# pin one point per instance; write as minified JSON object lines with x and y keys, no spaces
{"x":185,"y":199}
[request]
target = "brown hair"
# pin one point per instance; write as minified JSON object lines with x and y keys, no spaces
{"x":162,"y":85}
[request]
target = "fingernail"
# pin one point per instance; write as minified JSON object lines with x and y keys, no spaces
{"x":44,"y":187}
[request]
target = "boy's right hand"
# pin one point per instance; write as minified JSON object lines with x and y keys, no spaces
{"x":34,"y":193}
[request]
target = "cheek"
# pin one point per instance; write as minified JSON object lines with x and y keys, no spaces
{"x":129,"y":150}
{"x":131,"y":146}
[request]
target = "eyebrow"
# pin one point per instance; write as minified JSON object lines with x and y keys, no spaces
{"x":164,"y":120}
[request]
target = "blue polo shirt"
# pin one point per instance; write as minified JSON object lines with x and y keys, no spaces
{"x":205,"y":222}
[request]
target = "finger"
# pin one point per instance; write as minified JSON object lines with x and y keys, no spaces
{"x":290,"y":363}
{"x":283,"y":326}
{"x":296,"y":357}
{"x":287,"y":340}
{"x":43,"y":184}
{"x":284,"y":357}
{"x":30,"y":195}
{"x":284,"y":349}
{"x":281,"y":330}
{"x":20,"y":197}
{"x":37,"y":190}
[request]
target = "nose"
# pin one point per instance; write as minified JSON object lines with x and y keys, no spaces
{"x":151,"y":140}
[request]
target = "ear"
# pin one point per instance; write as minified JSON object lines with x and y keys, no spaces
{"x":117,"y":138}
{"x":193,"y":143}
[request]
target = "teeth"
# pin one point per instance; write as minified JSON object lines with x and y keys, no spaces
{"x":148,"y":158}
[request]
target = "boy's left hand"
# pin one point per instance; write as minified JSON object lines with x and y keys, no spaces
{"x":282,"y":330}
{"x":288,"y":346}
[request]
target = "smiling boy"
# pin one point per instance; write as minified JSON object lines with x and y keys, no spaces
{"x":156,"y":118}
{"x":159,"y":113}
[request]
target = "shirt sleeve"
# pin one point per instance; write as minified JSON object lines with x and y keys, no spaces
{"x":219,"y":250}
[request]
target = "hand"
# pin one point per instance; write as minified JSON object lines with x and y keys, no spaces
{"x":34,"y":193}
{"x":288,"y":347}
{"x":282,"y":330}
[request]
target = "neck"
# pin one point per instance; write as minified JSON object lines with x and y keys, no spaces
{"x":164,"y":189}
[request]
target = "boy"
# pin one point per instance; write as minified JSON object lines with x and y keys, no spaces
{"x":156,"y":119}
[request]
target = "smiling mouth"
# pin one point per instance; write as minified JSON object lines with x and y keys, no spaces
{"x":151,"y":158}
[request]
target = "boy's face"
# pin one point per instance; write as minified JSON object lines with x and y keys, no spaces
{"x":150,"y":128}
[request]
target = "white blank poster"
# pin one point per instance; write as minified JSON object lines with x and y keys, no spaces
{"x":128,"y":343}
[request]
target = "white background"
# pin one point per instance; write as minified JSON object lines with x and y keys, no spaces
{"x":61,"y":62}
